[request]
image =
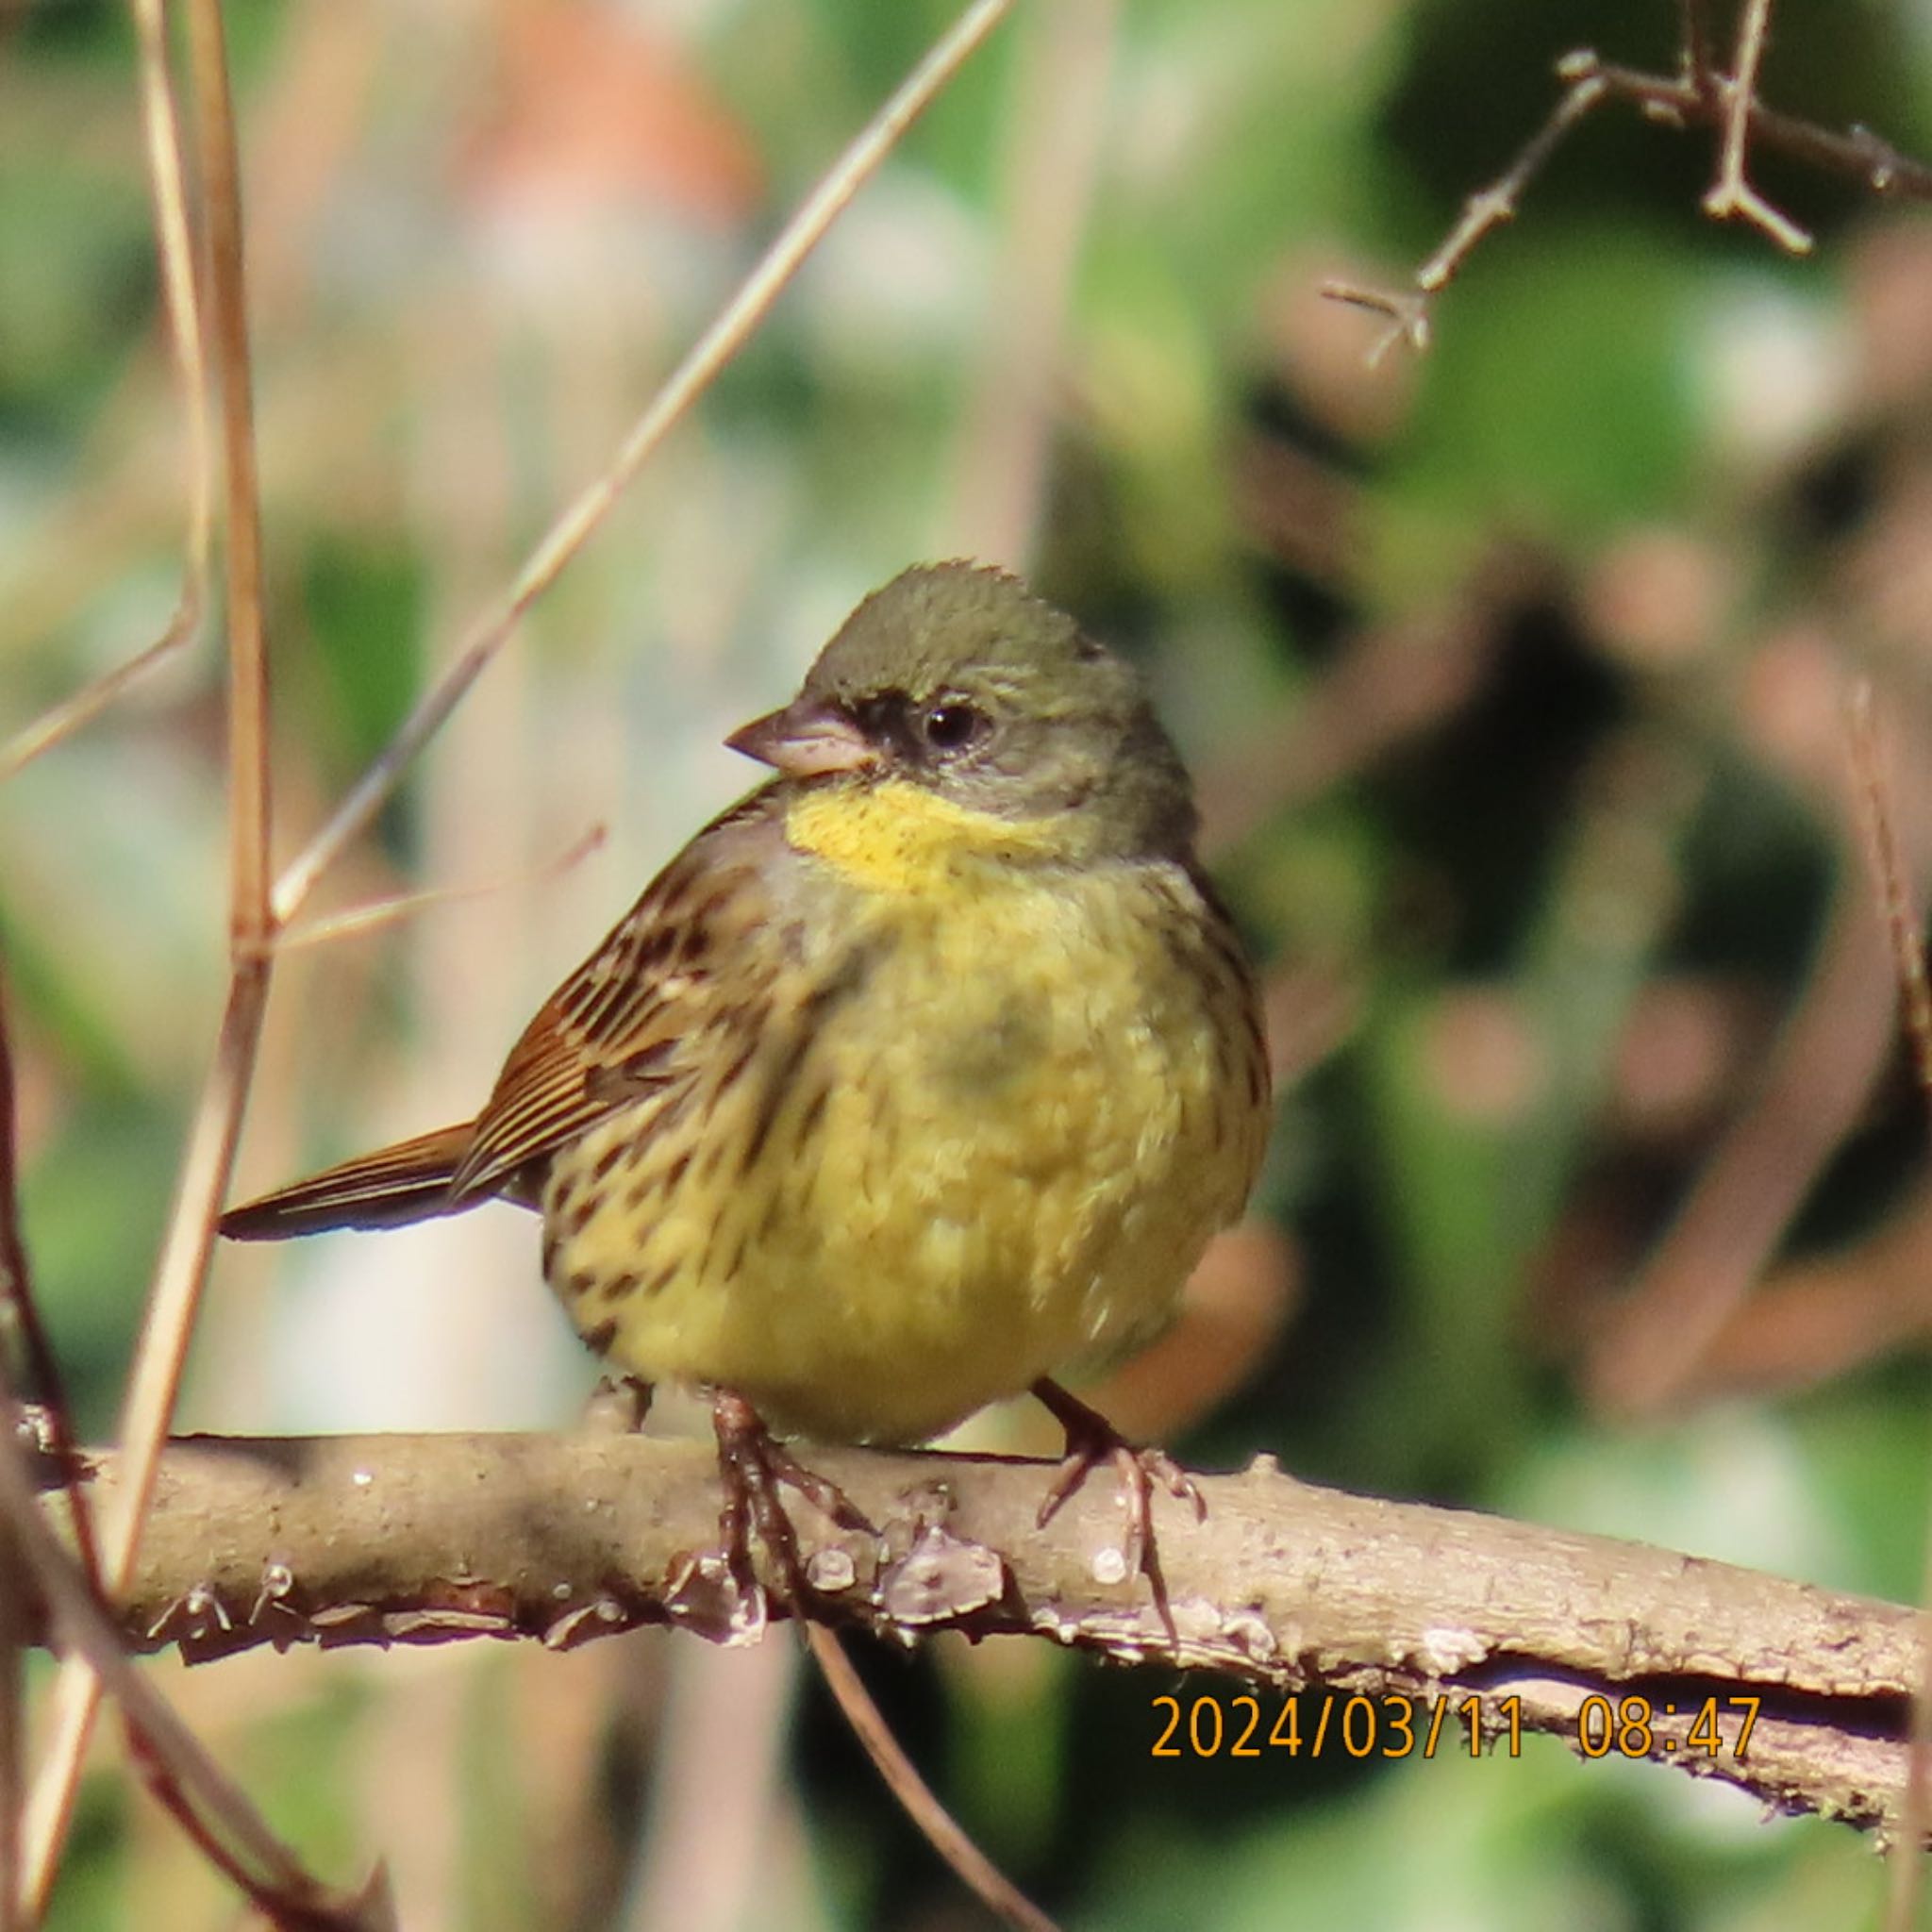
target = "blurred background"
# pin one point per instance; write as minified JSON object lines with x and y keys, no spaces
{"x":1515,"y":682}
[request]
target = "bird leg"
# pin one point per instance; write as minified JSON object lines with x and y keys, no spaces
{"x":618,"y":1406}
{"x":754,"y":1465}
{"x":1091,"y":1440}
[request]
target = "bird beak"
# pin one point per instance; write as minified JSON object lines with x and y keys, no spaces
{"x":804,"y":739}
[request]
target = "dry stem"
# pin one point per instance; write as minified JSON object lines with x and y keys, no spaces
{"x":179,"y":297}
{"x":1902,"y":928}
{"x":917,"y":1798}
{"x":182,"y":1265}
{"x":688,"y":381}
{"x":256,"y":912}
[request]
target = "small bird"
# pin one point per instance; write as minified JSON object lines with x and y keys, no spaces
{"x":919,"y":1077}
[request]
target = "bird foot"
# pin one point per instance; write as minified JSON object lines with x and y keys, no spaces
{"x":1091,"y":1440}
{"x":753,"y":1466}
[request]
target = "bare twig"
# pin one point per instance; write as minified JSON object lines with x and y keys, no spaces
{"x":24,"y":1337}
{"x":220,"y":1816}
{"x":251,"y":922}
{"x":430,"y":1539}
{"x":165,"y":183}
{"x":179,"y":1271}
{"x":1489,"y":207}
{"x":1915,"y":1002}
{"x":181,"y":1265}
{"x":1057,"y":124}
{"x":1692,"y":98}
{"x":1731,"y":194}
{"x":29,"y":1370}
{"x":1693,"y":39}
{"x":1828,"y":1054}
{"x":361,"y":920}
{"x":74,"y":713}
{"x":943,"y":1832}
{"x":688,"y":381}
{"x":12,"y":1711}
{"x":1892,"y":879}
{"x":256,"y":913}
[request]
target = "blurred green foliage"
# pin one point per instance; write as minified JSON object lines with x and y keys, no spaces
{"x":466,"y":281}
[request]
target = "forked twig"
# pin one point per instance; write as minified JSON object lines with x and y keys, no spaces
{"x":943,"y":1832}
{"x":1489,"y":207}
{"x":1731,"y":194}
{"x":1696,"y":96}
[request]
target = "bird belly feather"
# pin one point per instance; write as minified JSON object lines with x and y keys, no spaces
{"x":997,"y":1160}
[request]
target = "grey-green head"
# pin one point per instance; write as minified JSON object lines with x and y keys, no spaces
{"x":957,"y":677}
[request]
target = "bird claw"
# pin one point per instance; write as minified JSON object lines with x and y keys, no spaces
{"x":753,"y":1466}
{"x":1091,"y":1440}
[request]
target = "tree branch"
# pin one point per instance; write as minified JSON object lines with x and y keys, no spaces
{"x":1693,"y":97}
{"x":562,"y":1538}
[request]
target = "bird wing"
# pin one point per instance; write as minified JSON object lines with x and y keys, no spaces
{"x":389,"y":1188}
{"x":639,"y":1017}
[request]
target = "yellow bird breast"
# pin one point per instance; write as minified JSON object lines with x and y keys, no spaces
{"x":984,"y":1137}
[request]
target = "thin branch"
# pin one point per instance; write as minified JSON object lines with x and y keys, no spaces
{"x":1891,"y":877}
{"x":430,"y":1539}
{"x":1489,"y":207}
{"x":255,"y":912}
{"x":74,"y":713}
{"x":179,"y":1271}
{"x":1694,"y":98}
{"x":921,"y":1804}
{"x":708,"y":354}
{"x":162,"y":128}
{"x":1693,"y":39}
{"x":1828,"y":1051}
{"x":1731,"y":194}
{"x":23,"y":1335}
{"x":12,"y":1714}
{"x":181,"y":1267}
{"x":218,"y":1814}
{"x":1056,"y":126}
{"x":251,"y":922}
{"x":29,"y":1369}
{"x":359,"y":921}
{"x":1915,"y":1002}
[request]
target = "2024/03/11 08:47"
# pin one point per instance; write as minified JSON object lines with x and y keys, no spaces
{"x":1394,"y":1725}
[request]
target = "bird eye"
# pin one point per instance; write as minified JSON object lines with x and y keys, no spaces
{"x":952,"y":725}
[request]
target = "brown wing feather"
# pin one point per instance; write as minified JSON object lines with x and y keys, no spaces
{"x":629,"y":1023}
{"x":389,"y":1188}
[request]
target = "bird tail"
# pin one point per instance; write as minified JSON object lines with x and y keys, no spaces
{"x":389,"y":1188}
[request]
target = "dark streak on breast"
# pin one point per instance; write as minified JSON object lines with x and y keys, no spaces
{"x":847,"y":980}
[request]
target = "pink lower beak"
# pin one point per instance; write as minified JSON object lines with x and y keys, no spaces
{"x":803,"y":741}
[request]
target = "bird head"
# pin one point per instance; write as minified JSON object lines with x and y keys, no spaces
{"x":955,"y":677}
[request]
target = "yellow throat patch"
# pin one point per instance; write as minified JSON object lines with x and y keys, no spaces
{"x":896,"y":836}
